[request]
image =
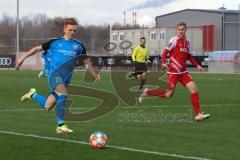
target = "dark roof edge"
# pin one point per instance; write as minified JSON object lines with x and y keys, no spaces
{"x":201,"y":10}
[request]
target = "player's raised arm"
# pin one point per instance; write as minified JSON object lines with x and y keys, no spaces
{"x":90,"y":68}
{"x":164,"y":59}
{"x":171,"y":45}
{"x":194,"y":62}
{"x":164,"y":56}
{"x":31,"y":52}
{"x":87,"y":62}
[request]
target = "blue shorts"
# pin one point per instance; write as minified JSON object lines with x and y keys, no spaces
{"x":56,"y":78}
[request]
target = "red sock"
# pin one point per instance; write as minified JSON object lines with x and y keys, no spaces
{"x":195,"y":102}
{"x":157,"y":92}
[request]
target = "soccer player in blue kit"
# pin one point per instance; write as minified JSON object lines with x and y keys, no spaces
{"x":65,"y":52}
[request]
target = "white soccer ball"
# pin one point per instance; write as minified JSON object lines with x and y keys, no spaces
{"x":98,"y":139}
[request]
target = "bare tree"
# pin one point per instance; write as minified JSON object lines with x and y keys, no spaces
{"x":40,"y":28}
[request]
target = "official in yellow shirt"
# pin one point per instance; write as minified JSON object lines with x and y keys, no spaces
{"x":140,"y":57}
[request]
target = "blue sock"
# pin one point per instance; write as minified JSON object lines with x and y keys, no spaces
{"x":60,"y":108}
{"x":39,"y":99}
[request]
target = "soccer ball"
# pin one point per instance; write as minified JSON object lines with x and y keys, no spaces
{"x":98,"y":140}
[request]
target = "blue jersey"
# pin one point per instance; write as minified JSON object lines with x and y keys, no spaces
{"x":64,"y":55}
{"x":63,"y":51}
{"x":47,"y":55}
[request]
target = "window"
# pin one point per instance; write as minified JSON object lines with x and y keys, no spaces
{"x":140,"y":33}
{"x":153,"y":36}
{"x":162,"y":35}
{"x":122,"y":37}
{"x":115,"y":37}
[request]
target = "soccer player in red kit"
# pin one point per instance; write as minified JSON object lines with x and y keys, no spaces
{"x":179,"y":52}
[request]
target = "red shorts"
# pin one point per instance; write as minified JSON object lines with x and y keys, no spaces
{"x":182,"y":78}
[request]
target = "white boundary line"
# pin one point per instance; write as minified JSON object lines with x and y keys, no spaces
{"x":109,"y":146}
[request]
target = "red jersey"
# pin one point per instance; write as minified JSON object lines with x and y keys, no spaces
{"x":179,"y":52}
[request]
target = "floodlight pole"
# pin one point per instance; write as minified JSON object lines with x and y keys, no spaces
{"x":238,"y":27}
{"x":17,"y":31}
{"x":223,"y":30}
{"x":110,"y":35}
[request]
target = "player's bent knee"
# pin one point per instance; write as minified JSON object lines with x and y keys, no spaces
{"x":169,"y":94}
{"x":192,"y":87}
{"x":48,"y":107}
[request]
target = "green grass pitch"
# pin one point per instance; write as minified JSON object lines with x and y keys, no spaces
{"x":28,"y":133}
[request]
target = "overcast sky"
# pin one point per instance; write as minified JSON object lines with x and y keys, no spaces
{"x":109,"y":11}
